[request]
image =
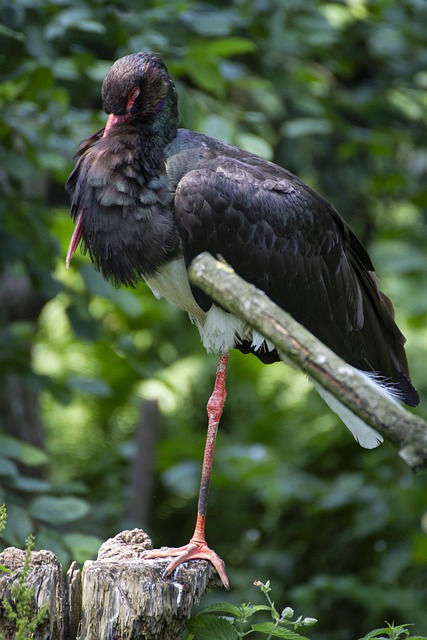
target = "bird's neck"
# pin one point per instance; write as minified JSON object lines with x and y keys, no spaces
{"x":145,"y":142}
{"x":158,"y":127}
{"x":163,"y":129}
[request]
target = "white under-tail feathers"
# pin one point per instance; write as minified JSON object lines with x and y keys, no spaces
{"x":221,"y":331}
{"x":365,"y":435}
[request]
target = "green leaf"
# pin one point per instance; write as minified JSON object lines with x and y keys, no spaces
{"x":83,"y":325}
{"x":93,"y":386}
{"x":31,"y":485}
{"x":420,"y":550}
{"x":269,"y":628}
{"x":204,"y":71}
{"x":48,"y":538}
{"x":22,"y":452}
{"x":387,"y":632}
{"x":82,"y":546}
{"x":127,"y":301}
{"x":75,"y":18}
{"x":209,"y":22}
{"x":18,"y":526}
{"x":95,"y":284}
{"x":250,"y":609}
{"x":58,"y":510}
{"x":209,"y":627}
{"x":301,"y":127}
{"x":183,"y":478}
{"x":217,"y":127}
{"x":255,"y":144}
{"x":232,"y":46}
{"x":8,"y":468}
{"x":10,"y":33}
{"x":375,"y":634}
{"x":338,"y":16}
{"x":222,"y":607}
{"x":408,"y":102}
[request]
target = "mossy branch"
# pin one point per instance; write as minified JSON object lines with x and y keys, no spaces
{"x":405,"y":430}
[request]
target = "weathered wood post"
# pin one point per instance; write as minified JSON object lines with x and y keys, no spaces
{"x":49,"y":592}
{"x":126,"y":597}
{"x":117,"y":596}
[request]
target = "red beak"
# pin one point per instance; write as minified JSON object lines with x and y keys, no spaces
{"x":75,"y":239}
{"x":112,"y":120}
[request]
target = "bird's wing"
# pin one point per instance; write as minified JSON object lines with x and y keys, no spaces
{"x":275,"y":236}
{"x":287,"y":240}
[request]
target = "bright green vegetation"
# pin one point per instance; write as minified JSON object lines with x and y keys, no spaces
{"x":334,"y":91}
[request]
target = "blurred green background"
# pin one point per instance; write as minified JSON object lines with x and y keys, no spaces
{"x":102,"y":418}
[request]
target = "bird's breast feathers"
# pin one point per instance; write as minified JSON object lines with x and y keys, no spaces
{"x":219,"y":330}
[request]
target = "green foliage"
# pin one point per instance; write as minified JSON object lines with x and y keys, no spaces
{"x":3,"y":517}
{"x":336,"y":93}
{"x":19,"y":609}
{"x":39,"y":505}
{"x":3,"y":520}
{"x":225,"y":621}
{"x":399,"y":632}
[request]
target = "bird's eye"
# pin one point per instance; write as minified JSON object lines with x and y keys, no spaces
{"x":131,"y":98}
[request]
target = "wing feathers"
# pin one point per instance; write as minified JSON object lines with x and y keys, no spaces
{"x":287,"y":240}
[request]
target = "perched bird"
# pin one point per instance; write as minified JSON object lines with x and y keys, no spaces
{"x":148,"y":197}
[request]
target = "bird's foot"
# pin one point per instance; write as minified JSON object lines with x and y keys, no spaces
{"x":194,"y":550}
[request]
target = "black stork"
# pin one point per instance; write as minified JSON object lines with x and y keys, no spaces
{"x":147,"y":197}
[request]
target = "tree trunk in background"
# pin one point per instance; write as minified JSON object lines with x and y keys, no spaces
{"x":19,"y":410}
{"x":19,"y":405}
{"x":141,"y":476}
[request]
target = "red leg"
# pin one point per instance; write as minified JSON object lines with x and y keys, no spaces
{"x":197,"y":548}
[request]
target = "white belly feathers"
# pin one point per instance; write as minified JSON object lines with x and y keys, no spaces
{"x":220,"y":331}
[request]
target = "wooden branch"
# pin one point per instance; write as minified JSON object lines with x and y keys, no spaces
{"x":294,"y":343}
{"x":119,"y":595}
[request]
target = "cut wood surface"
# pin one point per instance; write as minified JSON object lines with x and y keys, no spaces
{"x":118,"y":595}
{"x":127,"y":597}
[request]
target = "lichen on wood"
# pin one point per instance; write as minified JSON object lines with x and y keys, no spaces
{"x":118,"y":595}
{"x":297,"y":345}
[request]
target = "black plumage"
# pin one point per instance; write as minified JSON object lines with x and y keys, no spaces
{"x":151,"y":192}
{"x":148,"y":197}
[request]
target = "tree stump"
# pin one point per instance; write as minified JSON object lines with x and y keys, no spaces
{"x":120,"y":595}
{"x":49,"y":592}
{"x":126,"y":597}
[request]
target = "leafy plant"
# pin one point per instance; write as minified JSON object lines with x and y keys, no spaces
{"x":3,"y":519}
{"x":335,"y":92}
{"x":225,"y":621}
{"x":392,"y":632}
{"x":40,"y":506}
{"x":3,"y":516}
{"x":22,"y":595}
